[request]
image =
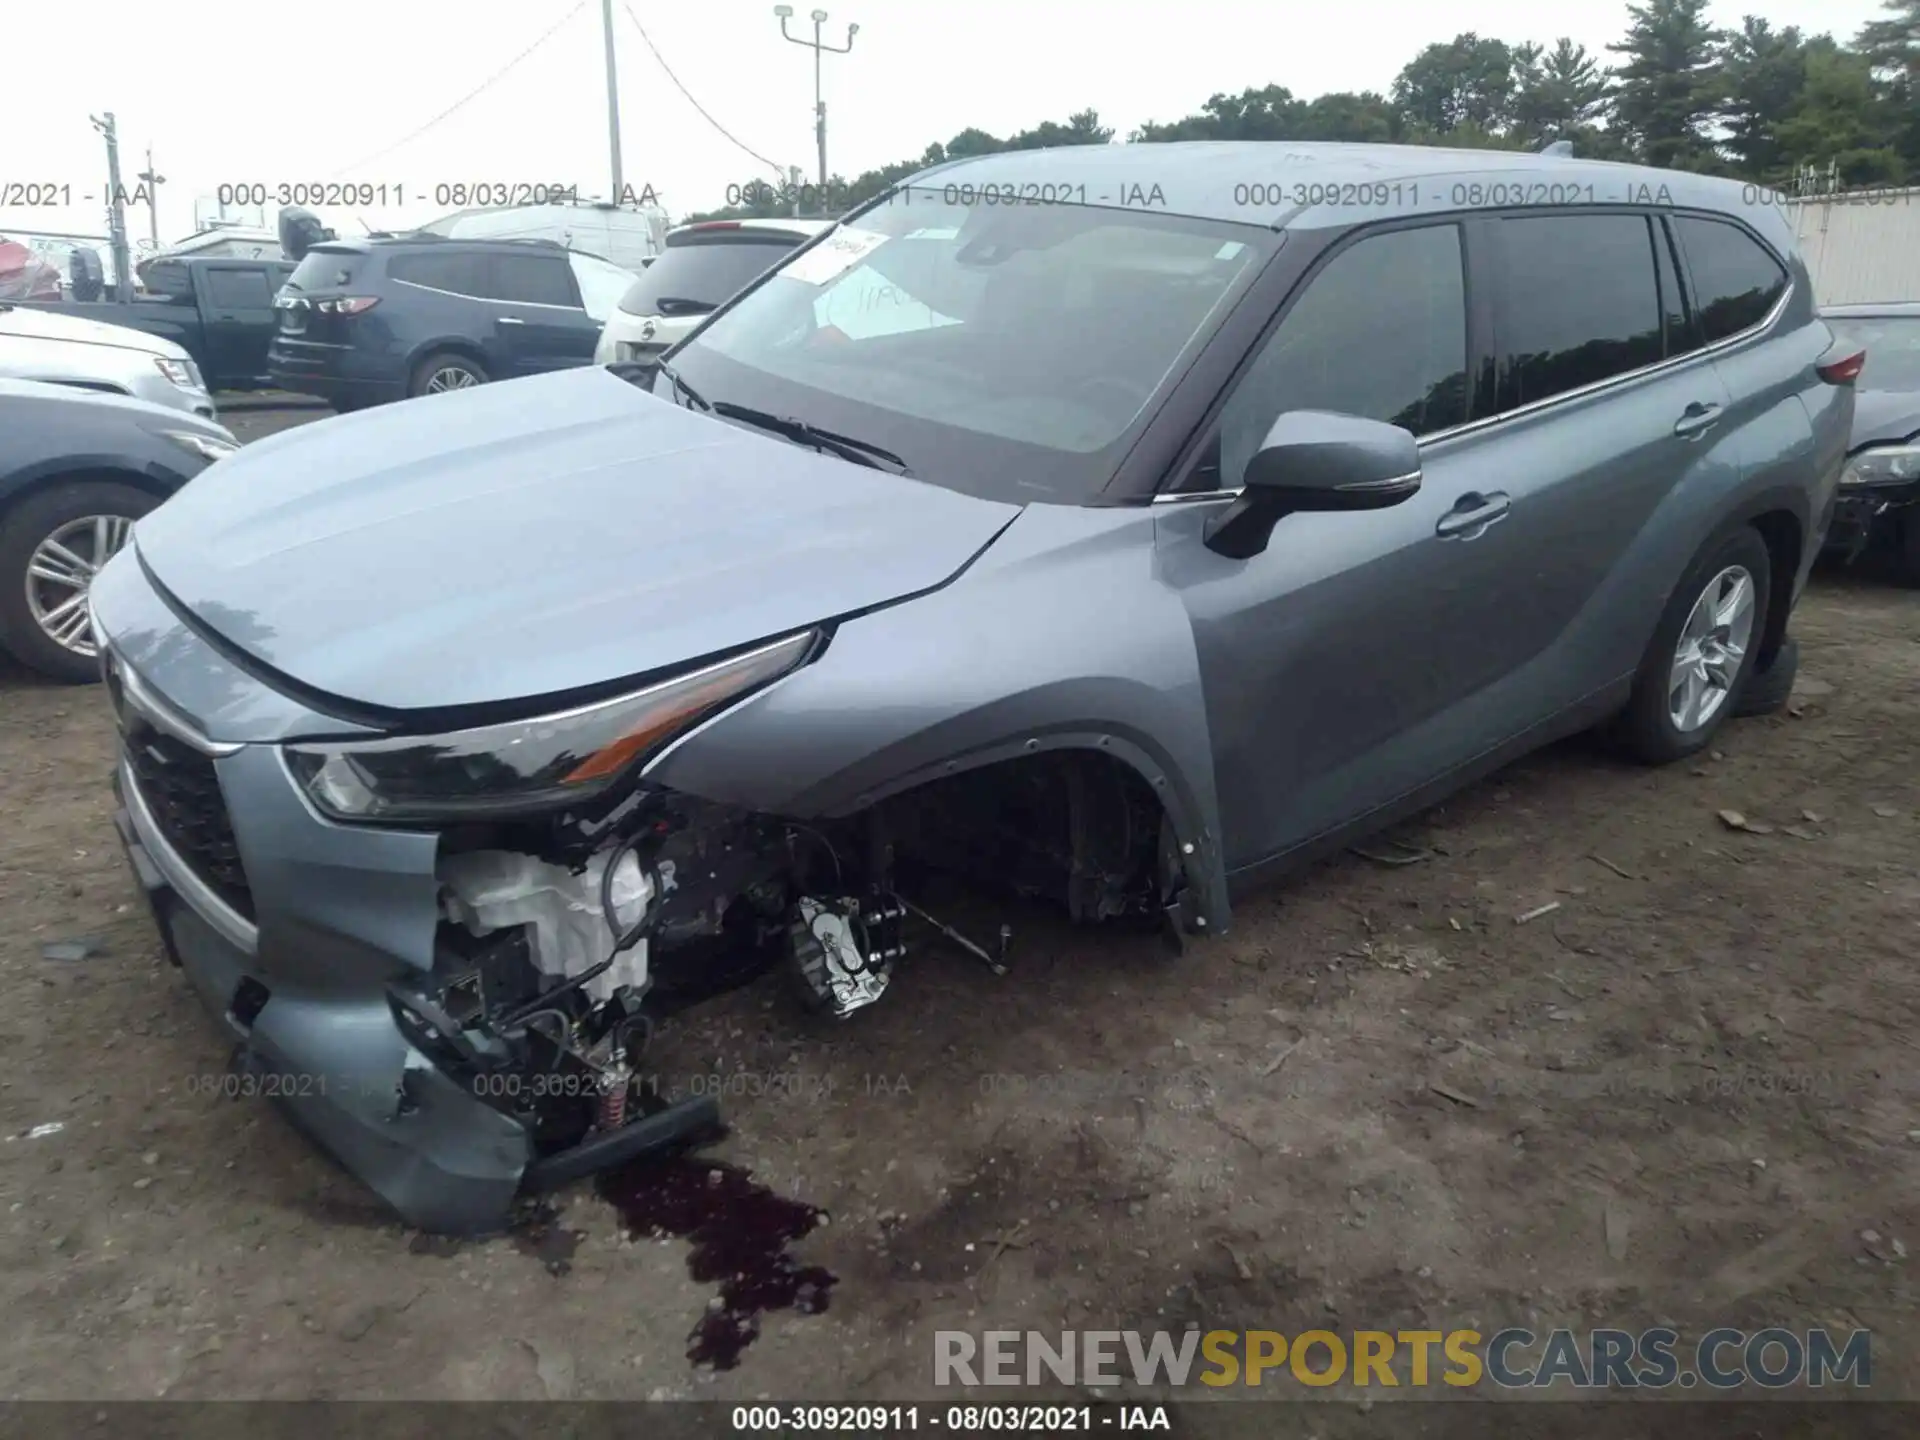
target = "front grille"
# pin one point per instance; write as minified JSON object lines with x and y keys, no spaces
{"x":182,"y":791}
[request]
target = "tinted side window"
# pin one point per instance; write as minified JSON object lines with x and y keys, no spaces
{"x":239,"y":289}
{"x":533,"y":280}
{"x":1380,"y":332}
{"x":461,"y":274}
{"x":1735,"y":281}
{"x":1578,"y":303}
{"x":164,"y":279}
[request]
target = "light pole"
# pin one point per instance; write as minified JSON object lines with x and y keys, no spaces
{"x":819,"y":47}
{"x":116,"y":210}
{"x":613,"y":99}
{"x":153,"y":181}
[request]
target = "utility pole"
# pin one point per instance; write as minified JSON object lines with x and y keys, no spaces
{"x":819,"y":47}
{"x":153,"y":181}
{"x":613,"y":100}
{"x":116,"y":210}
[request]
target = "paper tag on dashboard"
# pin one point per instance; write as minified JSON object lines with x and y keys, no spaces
{"x":836,"y":254}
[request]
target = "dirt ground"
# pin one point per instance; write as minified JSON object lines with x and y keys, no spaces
{"x":1683,"y":1096}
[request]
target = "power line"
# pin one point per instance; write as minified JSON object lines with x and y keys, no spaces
{"x":729,"y":135}
{"x":491,"y":80}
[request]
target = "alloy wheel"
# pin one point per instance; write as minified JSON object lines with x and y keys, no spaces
{"x":60,"y":571}
{"x":451,"y":377}
{"x":1712,"y":645}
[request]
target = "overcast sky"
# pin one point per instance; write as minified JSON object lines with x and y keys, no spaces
{"x":315,"y":90}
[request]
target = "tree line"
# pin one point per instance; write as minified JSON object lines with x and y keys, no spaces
{"x":1773,"y":106}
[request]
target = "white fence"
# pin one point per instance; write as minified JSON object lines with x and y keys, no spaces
{"x":1861,"y":245}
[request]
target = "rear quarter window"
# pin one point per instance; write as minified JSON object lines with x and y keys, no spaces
{"x":1736,"y":280}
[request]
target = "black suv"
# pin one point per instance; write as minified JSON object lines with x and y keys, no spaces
{"x":365,"y":321}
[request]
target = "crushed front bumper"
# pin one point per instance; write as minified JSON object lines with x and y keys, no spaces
{"x":319,"y":1039}
{"x":1862,"y":514}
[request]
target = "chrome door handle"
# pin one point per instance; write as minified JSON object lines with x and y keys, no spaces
{"x":1473,"y":514}
{"x":1696,"y":419}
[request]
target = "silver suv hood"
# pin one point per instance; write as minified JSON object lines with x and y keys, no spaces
{"x":25,"y":324}
{"x":538,"y":536}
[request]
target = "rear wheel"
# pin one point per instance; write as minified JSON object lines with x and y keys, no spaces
{"x":446,"y":371}
{"x":1701,"y":656}
{"x":51,"y":546}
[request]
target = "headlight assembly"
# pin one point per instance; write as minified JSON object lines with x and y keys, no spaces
{"x":547,"y":762}
{"x":1883,"y":465}
{"x":183,"y":373}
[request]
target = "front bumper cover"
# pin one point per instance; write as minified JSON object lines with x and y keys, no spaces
{"x":332,"y":1059}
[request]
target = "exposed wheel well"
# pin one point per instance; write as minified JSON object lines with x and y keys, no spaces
{"x":42,"y":483}
{"x":1074,"y":826}
{"x":1781,"y":531}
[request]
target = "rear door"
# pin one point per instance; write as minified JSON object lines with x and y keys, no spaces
{"x":1781,"y":418}
{"x":237,"y":314}
{"x":539,"y":316}
{"x":1595,"y":418}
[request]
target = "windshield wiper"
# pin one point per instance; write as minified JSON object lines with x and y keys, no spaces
{"x":694,"y":397}
{"x":860,"y":452}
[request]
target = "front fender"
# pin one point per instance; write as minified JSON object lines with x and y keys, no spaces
{"x":1060,"y":636}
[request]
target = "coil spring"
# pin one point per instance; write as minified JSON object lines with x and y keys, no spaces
{"x":613,"y":1102}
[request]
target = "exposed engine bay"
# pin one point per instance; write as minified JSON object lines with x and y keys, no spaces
{"x":563,"y":938}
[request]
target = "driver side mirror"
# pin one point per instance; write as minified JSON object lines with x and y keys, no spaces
{"x":1316,"y":460}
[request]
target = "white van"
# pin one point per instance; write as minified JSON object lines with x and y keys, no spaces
{"x":628,"y":237}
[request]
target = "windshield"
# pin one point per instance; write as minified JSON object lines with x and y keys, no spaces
{"x":1892,"y":344}
{"x":1010,"y":351}
{"x":695,"y":275}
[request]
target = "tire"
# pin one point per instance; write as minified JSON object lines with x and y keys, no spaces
{"x":1768,"y":690}
{"x":445,"y":363}
{"x":1648,"y":729}
{"x":23,"y":530}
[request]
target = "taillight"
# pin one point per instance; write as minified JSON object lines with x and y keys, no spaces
{"x":1843,"y":371}
{"x":347,"y":305}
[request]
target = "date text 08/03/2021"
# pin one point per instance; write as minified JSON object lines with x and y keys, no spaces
{"x":442,"y":194}
{"x":902,"y":1419}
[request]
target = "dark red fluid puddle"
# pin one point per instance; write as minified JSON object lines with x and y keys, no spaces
{"x":740,"y":1231}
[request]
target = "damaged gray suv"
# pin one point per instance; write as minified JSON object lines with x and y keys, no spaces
{"x":1121,"y":525}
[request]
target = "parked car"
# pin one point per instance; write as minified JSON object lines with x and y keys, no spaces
{"x":1881,"y":484}
{"x":220,"y":311}
{"x":366,"y":321}
{"x":624,"y":236}
{"x":25,"y":275}
{"x":63,"y":349}
{"x":1125,"y":553}
{"x":701,"y":266}
{"x":76,"y":470}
